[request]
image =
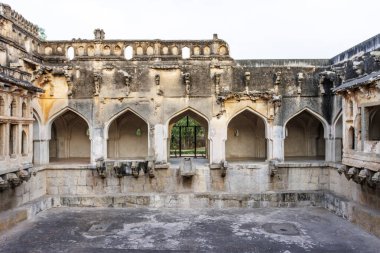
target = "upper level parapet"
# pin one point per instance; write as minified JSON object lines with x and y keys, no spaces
{"x":7,"y":12}
{"x":135,"y":49}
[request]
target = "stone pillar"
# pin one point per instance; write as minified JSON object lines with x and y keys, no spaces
{"x":97,"y":142}
{"x":160,"y":143}
{"x":217,"y":140}
{"x":41,"y":151}
{"x":329,"y":146}
{"x":278,"y":150}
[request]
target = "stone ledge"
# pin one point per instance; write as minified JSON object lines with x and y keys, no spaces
{"x":301,"y":164}
{"x":197,"y":200}
{"x":10,"y":218}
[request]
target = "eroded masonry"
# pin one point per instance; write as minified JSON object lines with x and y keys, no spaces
{"x":180,"y":123}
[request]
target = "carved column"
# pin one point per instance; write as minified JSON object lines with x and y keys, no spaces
{"x":97,"y":144}
{"x":217,"y":139}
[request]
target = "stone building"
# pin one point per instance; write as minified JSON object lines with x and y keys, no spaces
{"x":186,"y":119}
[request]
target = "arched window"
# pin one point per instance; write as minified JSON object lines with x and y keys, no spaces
{"x":24,"y":110}
{"x":185,"y":53}
{"x":13,"y":108}
{"x":70,"y":53}
{"x":128,"y":52}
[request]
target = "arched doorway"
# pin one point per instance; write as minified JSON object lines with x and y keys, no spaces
{"x":128,"y":137}
{"x":188,"y":133}
{"x":246,"y":138}
{"x":304,"y":138}
{"x":69,"y":140}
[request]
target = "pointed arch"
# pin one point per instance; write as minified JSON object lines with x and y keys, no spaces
{"x":24,"y":110}
{"x":304,"y":136}
{"x":256,"y":113}
{"x":325,"y":124}
{"x":62,"y":112}
{"x":70,"y":137}
{"x":115,"y":116}
{"x":184,"y":111}
{"x":176,"y":140}
{"x":126,"y":136}
{"x":246,"y":136}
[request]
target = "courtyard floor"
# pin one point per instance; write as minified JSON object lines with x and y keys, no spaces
{"x":187,"y":230}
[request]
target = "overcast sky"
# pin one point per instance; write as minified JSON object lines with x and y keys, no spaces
{"x":254,"y":29}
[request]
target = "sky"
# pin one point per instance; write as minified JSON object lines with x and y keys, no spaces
{"x":253,"y":29}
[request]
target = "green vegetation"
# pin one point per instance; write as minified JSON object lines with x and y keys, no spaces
{"x":188,"y":133}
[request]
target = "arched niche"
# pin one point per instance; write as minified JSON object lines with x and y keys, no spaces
{"x":24,"y":110}
{"x":246,"y":137}
{"x":69,"y":140}
{"x":304,"y":138}
{"x":13,"y":108}
{"x":127,"y":137}
{"x":351,"y":138}
{"x":188,"y":135}
{"x":24,"y":143}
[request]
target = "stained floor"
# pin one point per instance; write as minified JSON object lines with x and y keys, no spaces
{"x":184,"y":230}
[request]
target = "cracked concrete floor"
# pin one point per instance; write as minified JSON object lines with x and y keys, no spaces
{"x":187,"y":230}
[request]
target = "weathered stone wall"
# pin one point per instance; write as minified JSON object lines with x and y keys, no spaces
{"x":29,"y":190}
{"x":248,"y":178}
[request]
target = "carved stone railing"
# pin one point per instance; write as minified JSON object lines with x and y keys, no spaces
{"x":18,"y":19}
{"x":142,"y":50}
{"x":15,"y":73}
